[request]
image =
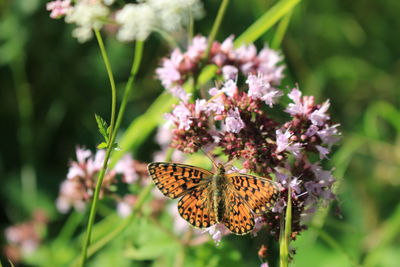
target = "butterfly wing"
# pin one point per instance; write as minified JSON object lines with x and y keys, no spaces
{"x":196,"y":206}
{"x":259,"y":193}
{"x":238,"y":217}
{"x":174,"y":179}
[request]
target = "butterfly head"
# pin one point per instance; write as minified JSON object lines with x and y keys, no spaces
{"x":221,"y":168}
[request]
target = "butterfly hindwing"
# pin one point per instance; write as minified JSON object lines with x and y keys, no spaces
{"x":259,"y":193}
{"x":238,"y":217}
{"x":174,"y":179}
{"x":196,"y":207}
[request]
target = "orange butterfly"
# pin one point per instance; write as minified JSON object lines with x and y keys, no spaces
{"x":208,"y":198}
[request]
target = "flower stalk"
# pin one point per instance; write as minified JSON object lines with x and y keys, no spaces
{"x":114,"y":125}
{"x":216,"y":25}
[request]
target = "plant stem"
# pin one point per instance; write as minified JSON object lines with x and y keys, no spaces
{"x":215,"y":27}
{"x":113,"y":130}
{"x":286,"y":230}
{"x":112,"y":82}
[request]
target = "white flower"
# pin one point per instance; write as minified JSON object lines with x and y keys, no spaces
{"x":137,"y":22}
{"x":173,"y":14}
{"x":87,"y":15}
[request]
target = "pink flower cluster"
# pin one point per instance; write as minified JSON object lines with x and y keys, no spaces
{"x":58,"y":8}
{"x":230,"y":61}
{"x":236,"y":118}
{"x":79,"y":186}
{"x":24,"y":238}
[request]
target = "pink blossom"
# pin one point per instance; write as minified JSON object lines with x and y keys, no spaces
{"x":283,"y":143}
{"x":181,"y":115}
{"x":200,"y":106}
{"x":311,"y":130}
{"x":213,"y":91}
{"x":217,"y":231}
{"x":180,"y":225}
{"x":329,"y":135}
{"x":229,"y":88}
{"x":197,"y":47}
{"x":283,"y":179}
{"x":227,"y":45}
{"x":279,"y":206}
{"x":300,"y":106}
{"x":58,"y":8}
{"x":268,"y":60}
{"x":229,"y":72}
{"x":125,"y":167}
{"x":246,"y":53}
{"x":124,"y":207}
{"x":322,"y":176}
{"x":259,"y":224}
{"x":163,"y":135}
{"x":260,"y":88}
{"x":233,"y":122}
{"x":70,"y":196}
{"x":319,"y":116}
{"x":179,"y":92}
{"x":169,"y":73}
{"x":323,"y":151}
{"x":264,"y":264}
{"x":94,"y":165}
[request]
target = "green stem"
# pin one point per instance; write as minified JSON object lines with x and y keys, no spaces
{"x":113,"y":130}
{"x":215,"y":27}
{"x":286,"y":230}
{"x":129,"y":85}
{"x":112,"y":82}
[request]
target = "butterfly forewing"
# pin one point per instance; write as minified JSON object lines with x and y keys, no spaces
{"x":258,"y":193}
{"x":238,"y":217}
{"x":174,"y":179}
{"x":196,"y":207}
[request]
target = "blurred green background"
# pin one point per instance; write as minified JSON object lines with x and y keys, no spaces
{"x":347,"y":51}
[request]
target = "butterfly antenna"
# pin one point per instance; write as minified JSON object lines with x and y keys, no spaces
{"x":211,"y":158}
{"x":229,"y":164}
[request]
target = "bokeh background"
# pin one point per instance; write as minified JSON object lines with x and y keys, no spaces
{"x":347,"y":51}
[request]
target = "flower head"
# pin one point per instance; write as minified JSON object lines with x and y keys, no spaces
{"x":136,"y":20}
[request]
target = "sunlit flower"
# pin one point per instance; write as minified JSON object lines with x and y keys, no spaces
{"x":87,"y":15}
{"x":136,"y":20}
{"x":172,"y":15}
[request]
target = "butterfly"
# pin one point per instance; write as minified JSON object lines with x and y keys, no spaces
{"x":208,"y":198}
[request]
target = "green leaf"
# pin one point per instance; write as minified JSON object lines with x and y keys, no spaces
{"x":266,"y":21}
{"x":102,"y":145}
{"x":102,"y":125}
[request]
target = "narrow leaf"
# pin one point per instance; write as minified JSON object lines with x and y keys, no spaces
{"x":266,"y":21}
{"x":102,"y":125}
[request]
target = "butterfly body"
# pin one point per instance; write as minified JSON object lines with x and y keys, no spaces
{"x":207,"y":198}
{"x":218,"y":187}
